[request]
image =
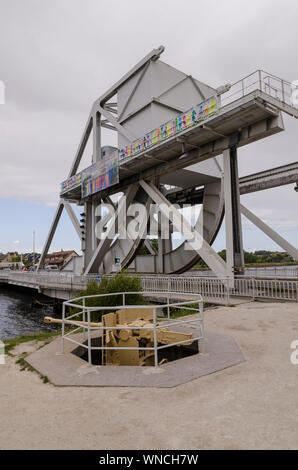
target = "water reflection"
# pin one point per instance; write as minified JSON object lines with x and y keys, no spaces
{"x":18,"y":316}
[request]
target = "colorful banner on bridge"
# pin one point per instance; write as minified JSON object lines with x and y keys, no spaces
{"x":100,"y":176}
{"x":105,"y":173}
{"x":71,"y":183}
{"x":171,"y":128}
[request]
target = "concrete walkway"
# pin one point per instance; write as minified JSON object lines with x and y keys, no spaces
{"x":253,"y":405}
{"x":221,"y":351}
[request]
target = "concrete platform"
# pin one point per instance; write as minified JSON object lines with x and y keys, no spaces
{"x":67,"y":369}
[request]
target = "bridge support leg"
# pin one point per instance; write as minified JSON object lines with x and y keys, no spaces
{"x":160,"y":245}
{"x":290,"y":249}
{"x":164,"y":241}
{"x":51,"y":234}
{"x":88,"y":249}
{"x":73,"y":218}
{"x":235,"y":258}
{"x":53,"y":228}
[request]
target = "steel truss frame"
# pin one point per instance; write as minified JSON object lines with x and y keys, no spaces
{"x":104,"y":114}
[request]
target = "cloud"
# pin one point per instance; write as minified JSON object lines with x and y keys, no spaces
{"x":58,"y":57}
{"x":37,"y":149}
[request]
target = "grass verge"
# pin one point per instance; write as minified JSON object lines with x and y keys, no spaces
{"x":43,"y":337}
{"x":11,"y":343}
{"x":25,"y":366}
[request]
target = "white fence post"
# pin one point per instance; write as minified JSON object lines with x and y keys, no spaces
{"x":202,"y":329}
{"x":84,"y":317}
{"x":155,"y":339}
{"x":63,"y":326}
{"x":227,"y":293}
{"x":89,"y":339}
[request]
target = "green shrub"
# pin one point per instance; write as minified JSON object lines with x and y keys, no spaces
{"x":122,"y":282}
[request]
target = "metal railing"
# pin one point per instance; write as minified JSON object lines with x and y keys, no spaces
{"x":275,"y":289}
{"x":259,"y":80}
{"x":221,"y":289}
{"x":49,"y":279}
{"x":85,"y":311}
{"x":213,"y":289}
{"x":276,"y":272}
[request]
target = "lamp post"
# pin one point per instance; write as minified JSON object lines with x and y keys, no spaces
{"x":33,"y":248}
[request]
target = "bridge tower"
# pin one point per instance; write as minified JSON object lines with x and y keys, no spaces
{"x":178,"y":141}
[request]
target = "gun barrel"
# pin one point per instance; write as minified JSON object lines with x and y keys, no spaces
{"x":68,"y":322}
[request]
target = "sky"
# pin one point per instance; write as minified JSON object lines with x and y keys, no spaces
{"x":57,"y":57}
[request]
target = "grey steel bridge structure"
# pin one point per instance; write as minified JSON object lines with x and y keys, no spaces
{"x":178,"y":142}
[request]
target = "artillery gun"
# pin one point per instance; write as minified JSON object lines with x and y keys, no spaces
{"x":134,"y":328}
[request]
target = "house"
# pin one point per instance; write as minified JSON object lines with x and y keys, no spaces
{"x":11,"y":260}
{"x":74,"y":265}
{"x":31,"y":258}
{"x":60,"y":258}
{"x":9,"y":257}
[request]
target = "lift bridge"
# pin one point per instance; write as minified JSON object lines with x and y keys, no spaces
{"x":178,"y":140}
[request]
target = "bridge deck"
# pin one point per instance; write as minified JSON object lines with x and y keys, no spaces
{"x":275,"y":177}
{"x":212,"y":289}
{"x":254,"y":111}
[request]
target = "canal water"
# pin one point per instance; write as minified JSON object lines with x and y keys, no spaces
{"x":19,"y":316}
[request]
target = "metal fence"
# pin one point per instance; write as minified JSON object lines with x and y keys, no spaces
{"x":275,"y":289}
{"x":275,"y":272}
{"x":48,"y":279}
{"x":221,"y":290}
{"x":259,"y":80}
{"x":85,"y":311}
{"x":213,"y":289}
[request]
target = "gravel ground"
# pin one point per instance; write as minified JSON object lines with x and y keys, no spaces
{"x":250,"y":406}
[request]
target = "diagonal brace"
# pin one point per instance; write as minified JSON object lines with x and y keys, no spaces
{"x":195,"y":240}
{"x":278,"y":239}
{"x":73,"y":218}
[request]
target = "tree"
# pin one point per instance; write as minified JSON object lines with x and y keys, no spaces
{"x":122,"y":282}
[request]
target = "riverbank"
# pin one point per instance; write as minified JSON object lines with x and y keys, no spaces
{"x":22,"y":311}
{"x":250,"y":406}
